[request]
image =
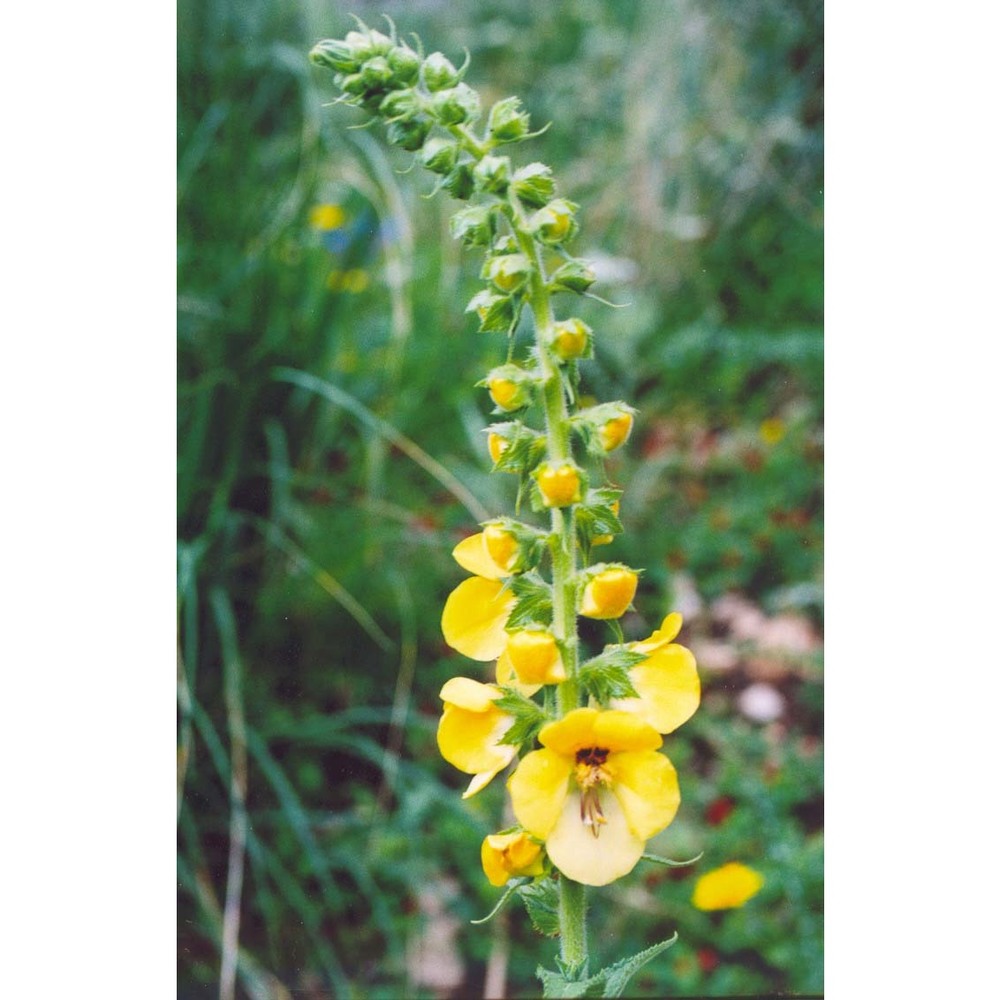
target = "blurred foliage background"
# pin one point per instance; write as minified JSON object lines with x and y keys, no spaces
{"x":331,"y":455}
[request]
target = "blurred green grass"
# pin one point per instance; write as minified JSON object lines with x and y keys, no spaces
{"x":315,"y":525}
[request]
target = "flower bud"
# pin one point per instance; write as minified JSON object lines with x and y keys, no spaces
{"x":571,"y":339}
{"x":608,"y":592}
{"x":472,"y":225}
{"x":507,"y":123}
{"x":492,"y":173}
{"x":380,"y":44}
{"x":502,"y":546}
{"x":560,"y":486}
{"x":405,"y":64}
{"x":554,"y":224}
{"x":534,"y":185}
{"x":495,"y":312}
{"x":616,"y":508}
{"x":334,"y":54}
{"x":408,"y":133}
{"x":439,"y":72}
{"x":376,"y":72}
{"x":360,"y":44}
{"x":573,"y":276}
{"x":614,"y":432}
{"x":399,"y":104}
{"x":439,"y":155}
{"x":508,"y":272}
{"x":457,"y":105}
{"x":354,"y":84}
{"x":536,"y":657}
{"x":508,"y":394}
{"x":496,"y":445}
{"x":459,"y":183}
{"x":511,"y":855}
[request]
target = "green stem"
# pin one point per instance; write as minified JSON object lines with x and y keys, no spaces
{"x":572,"y":923}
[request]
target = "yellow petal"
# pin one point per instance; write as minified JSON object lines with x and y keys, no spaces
{"x":645,"y":784}
{"x":587,"y":727}
{"x":507,"y":855}
{"x":581,"y":856}
{"x":507,"y":676}
{"x":474,"y":618}
{"x":668,"y":688}
{"x":469,"y":694}
{"x":481,"y":780}
{"x":468,"y":740}
{"x":538,"y":789}
{"x":667,"y":632}
{"x":726,"y":887}
{"x":471,"y":555}
{"x":501,"y":547}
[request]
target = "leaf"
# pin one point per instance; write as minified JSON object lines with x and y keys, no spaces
{"x":541,"y":900}
{"x":529,"y":717}
{"x":606,"y":676}
{"x":670,"y":863}
{"x":510,"y":890}
{"x":609,"y":982}
{"x":534,"y":602}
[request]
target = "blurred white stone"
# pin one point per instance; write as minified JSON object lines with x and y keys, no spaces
{"x":432,"y":956}
{"x":710,"y":654}
{"x":761,"y":703}
{"x":687,"y":600}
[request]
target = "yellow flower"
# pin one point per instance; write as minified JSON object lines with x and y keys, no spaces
{"x":506,"y":393}
{"x":509,"y":855}
{"x":470,"y":729}
{"x":609,"y":592}
{"x":535,"y":657}
{"x":614,"y":432}
{"x":559,"y":486}
{"x":572,"y":337}
{"x":496,"y":445}
{"x":327,"y":217}
{"x":507,"y":677}
{"x":595,"y":793}
{"x":726,"y":887}
{"x":476,"y":612}
{"x":667,"y":683}
{"x":501,"y":547}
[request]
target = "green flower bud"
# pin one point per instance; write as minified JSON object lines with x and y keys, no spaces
{"x":573,"y":276}
{"x":405,"y":64}
{"x":361,"y":45}
{"x":334,"y":54}
{"x":439,"y":155}
{"x":495,"y":312}
{"x":508,"y":273}
{"x":534,"y":185}
{"x":492,"y":173}
{"x":380,"y":44}
{"x":455,"y":106}
{"x":473,"y":225}
{"x":399,"y":104}
{"x":439,"y":73}
{"x":459,"y":183}
{"x":408,"y":133}
{"x":554,"y":224}
{"x":376,"y":72}
{"x":507,"y":123}
{"x":354,"y":84}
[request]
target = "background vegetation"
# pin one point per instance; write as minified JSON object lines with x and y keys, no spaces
{"x":331,"y":455}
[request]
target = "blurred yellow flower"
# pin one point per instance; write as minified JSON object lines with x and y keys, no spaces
{"x":595,"y":793}
{"x":327,"y":217}
{"x":470,"y":729}
{"x":614,"y":432}
{"x":727,"y":887}
{"x":509,"y":855}
{"x":354,"y":281}
{"x":772,"y":430}
{"x":667,"y":683}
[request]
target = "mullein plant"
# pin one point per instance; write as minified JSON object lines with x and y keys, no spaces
{"x":589,"y":783}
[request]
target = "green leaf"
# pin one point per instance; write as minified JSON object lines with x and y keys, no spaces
{"x":534,"y":602}
{"x":606,"y":677}
{"x":512,"y":887}
{"x":529,"y":717}
{"x":670,"y":863}
{"x":541,"y":900}
{"x":609,"y":982}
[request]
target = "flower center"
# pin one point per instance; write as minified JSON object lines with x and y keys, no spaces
{"x":590,"y":775}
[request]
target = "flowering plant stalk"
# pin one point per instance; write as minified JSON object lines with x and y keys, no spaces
{"x":590,"y":787}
